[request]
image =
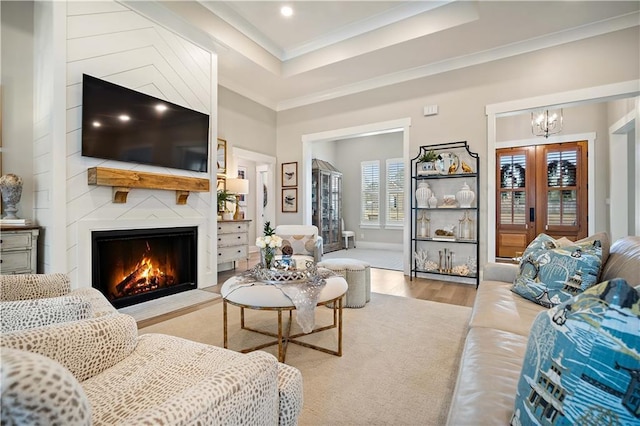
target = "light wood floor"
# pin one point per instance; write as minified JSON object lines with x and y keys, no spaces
{"x":389,"y":282}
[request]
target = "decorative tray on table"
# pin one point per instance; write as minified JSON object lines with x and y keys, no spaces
{"x":280,"y":275}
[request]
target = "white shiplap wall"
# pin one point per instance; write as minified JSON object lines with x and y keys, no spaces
{"x":109,"y":41}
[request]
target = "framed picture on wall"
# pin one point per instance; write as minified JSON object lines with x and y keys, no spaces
{"x":221,"y":157}
{"x":290,"y":174}
{"x":289,"y":200}
{"x":242,"y":174}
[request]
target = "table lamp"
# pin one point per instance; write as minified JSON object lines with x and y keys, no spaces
{"x":238,"y":187}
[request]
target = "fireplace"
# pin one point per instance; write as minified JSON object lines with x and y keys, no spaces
{"x":135,"y":265}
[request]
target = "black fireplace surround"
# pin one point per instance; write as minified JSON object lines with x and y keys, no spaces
{"x":135,"y":265}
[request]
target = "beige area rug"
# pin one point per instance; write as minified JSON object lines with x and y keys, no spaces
{"x":399,"y":363}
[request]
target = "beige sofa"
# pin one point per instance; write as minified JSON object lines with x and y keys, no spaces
{"x":497,"y":338}
{"x":98,"y":370}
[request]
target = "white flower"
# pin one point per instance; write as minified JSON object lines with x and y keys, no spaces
{"x":271,"y":241}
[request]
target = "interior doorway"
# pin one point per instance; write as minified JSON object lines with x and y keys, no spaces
{"x":261,"y":203}
{"x":540,"y":189}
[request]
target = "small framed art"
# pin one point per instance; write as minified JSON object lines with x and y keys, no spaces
{"x":289,"y":200}
{"x":290,"y":174}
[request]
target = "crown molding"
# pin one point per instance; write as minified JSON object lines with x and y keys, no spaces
{"x":571,"y":35}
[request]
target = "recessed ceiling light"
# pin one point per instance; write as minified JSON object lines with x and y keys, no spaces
{"x":124,"y":117}
{"x":96,"y":124}
{"x":286,"y":11}
{"x":161,"y":107}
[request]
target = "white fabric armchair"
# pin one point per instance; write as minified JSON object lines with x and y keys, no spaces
{"x":304,"y":239}
{"x":106,"y":374}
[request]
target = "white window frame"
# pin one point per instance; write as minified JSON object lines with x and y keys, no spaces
{"x":393,"y":223}
{"x":364,"y":165}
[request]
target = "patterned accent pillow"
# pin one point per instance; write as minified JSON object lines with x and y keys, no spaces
{"x":38,"y":390}
{"x":582,"y":363}
{"x":550,"y":275}
{"x":301,"y":244}
{"x":24,"y":314}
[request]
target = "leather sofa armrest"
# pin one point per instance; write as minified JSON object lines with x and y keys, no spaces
{"x":33,"y":286}
{"x":85,"y":347}
{"x":504,"y":272}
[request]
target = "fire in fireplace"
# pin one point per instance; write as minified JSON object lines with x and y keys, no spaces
{"x":135,"y":265}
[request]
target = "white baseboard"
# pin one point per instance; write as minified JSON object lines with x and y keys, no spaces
{"x":378,"y":246}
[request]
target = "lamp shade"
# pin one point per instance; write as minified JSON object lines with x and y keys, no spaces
{"x":238,"y":186}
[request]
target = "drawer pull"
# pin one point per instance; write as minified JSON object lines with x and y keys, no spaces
{"x":239,"y":237}
{"x":239,"y":251}
{"x":219,"y":239}
{"x":239,"y":227}
{"x":219,"y":254}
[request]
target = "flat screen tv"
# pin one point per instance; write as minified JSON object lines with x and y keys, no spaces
{"x":125,"y":125}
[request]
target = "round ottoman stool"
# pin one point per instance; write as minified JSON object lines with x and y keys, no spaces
{"x":358,"y":276}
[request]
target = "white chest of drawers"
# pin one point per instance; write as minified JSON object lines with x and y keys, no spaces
{"x":233,"y":240}
{"x":19,"y":250}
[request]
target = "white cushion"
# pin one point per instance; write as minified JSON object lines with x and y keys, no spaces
{"x":269,"y":296}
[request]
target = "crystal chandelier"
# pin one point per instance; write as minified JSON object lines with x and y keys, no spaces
{"x":547,"y":122}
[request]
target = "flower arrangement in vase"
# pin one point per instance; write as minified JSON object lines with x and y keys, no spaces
{"x":268,"y":243}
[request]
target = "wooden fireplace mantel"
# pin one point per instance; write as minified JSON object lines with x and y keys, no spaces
{"x":123,"y":180}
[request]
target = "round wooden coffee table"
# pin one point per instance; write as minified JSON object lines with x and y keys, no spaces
{"x":261,"y":296}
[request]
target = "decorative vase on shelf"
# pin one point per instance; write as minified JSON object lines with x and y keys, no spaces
{"x":465,"y":196}
{"x":11,"y":187}
{"x":422,"y":195}
{"x":433,"y":201}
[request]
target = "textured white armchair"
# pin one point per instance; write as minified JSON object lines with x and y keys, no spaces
{"x":304,"y":240}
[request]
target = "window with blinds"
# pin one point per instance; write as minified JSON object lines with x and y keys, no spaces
{"x":562,"y":194}
{"x":395,"y":192}
{"x":512,"y":189}
{"x":370,"y":192}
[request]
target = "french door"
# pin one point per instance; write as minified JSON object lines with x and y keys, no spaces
{"x":540,"y":189}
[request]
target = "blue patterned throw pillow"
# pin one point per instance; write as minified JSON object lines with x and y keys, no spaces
{"x":582,"y":363}
{"x":550,"y":274}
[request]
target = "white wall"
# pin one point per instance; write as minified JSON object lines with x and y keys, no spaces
{"x":463,"y":94}
{"x":17,"y":97}
{"x":109,"y":41}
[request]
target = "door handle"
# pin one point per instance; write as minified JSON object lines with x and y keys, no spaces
{"x":532,"y":214}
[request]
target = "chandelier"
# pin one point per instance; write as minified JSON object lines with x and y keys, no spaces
{"x":547,"y":122}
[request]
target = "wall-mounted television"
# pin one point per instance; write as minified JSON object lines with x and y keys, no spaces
{"x":125,"y":125}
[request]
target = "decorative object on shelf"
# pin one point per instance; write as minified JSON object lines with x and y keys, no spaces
{"x":237,"y":187}
{"x":466,"y":168}
{"x":423,"y":193}
{"x":223,"y":196}
{"x":433,"y":201}
{"x":426,"y":163}
{"x":268,"y":243}
{"x":290,"y":174}
{"x":447,"y":163}
{"x":546,"y":122}
{"x":422,"y":257}
{"x":449,"y":201}
{"x":472,"y":264}
{"x":446,"y":260}
{"x":460,"y":270}
{"x":446,"y":233}
{"x":465,"y":196}
{"x":425,"y":225}
{"x":465,"y":227}
{"x":11,"y":187}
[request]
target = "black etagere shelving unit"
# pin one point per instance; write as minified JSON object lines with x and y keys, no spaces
{"x":455,"y":166}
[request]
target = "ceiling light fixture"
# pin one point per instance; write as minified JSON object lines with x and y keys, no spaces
{"x":547,"y":122}
{"x":286,"y":11}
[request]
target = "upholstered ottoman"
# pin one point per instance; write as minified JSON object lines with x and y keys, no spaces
{"x":358,"y":276}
